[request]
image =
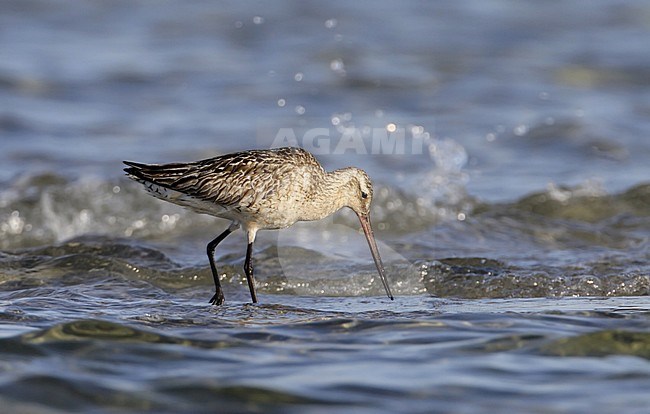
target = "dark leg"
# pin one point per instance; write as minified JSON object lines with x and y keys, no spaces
{"x":218,"y":297}
{"x":248,"y":268}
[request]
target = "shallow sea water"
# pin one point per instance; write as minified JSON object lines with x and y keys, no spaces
{"x":514,"y":222}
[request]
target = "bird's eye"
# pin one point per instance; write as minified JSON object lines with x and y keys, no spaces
{"x":364,"y":195}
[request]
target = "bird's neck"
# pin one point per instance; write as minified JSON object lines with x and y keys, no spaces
{"x":329,"y":195}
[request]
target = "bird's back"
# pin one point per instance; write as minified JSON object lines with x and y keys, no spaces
{"x":231,"y":185}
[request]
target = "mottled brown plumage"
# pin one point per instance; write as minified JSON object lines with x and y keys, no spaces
{"x":260,"y":189}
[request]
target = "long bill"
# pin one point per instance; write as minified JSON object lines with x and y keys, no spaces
{"x":367,"y":229}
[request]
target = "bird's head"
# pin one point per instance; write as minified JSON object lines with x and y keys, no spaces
{"x":359,"y":191}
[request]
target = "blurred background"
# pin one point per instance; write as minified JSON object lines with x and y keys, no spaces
{"x":535,"y":94}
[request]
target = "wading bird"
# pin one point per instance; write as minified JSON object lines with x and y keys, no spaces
{"x":260,"y":190}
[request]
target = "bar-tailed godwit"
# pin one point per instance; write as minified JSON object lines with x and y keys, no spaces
{"x":259,"y":190}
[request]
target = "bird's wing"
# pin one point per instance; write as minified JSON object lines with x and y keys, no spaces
{"x":235,"y":179}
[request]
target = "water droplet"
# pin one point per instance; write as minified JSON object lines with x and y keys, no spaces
{"x":417,"y":130}
{"x":521,"y":130}
{"x":15,"y":224}
{"x":281,"y":102}
{"x":300,"y":110}
{"x":331,"y":23}
{"x":338,"y":66}
{"x":298,"y":76}
{"x":258,"y":19}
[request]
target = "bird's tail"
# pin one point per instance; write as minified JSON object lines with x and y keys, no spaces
{"x":161,"y":174}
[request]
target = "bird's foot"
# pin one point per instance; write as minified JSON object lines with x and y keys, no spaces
{"x":218,"y":298}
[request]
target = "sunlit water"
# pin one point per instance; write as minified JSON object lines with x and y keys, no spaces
{"x":514,"y":221}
